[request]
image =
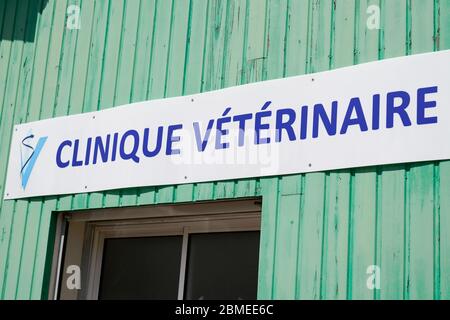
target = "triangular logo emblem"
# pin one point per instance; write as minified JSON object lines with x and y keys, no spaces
{"x":29,"y":153}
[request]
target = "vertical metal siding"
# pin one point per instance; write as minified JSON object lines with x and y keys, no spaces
{"x":320,"y":231}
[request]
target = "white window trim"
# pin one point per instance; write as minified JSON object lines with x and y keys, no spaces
{"x":161,"y":220}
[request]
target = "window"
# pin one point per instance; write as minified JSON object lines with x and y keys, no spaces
{"x":195,"y":251}
{"x":140,"y":268}
{"x":222,"y":266}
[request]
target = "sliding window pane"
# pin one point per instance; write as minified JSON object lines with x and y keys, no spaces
{"x":141,"y":268}
{"x":222,"y":266}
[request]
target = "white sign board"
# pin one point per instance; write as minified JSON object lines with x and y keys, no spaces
{"x":391,"y":111}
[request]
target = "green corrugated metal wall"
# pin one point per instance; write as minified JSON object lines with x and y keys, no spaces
{"x":320,"y":231}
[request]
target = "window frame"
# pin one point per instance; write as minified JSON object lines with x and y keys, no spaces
{"x":158,"y":220}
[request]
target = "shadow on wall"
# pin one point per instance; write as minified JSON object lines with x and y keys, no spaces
{"x":18,"y":19}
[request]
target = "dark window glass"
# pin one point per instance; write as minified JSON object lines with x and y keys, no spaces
{"x":141,"y":268}
{"x":222,"y":266}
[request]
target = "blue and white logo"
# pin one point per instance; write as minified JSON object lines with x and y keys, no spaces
{"x":29,"y":152}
